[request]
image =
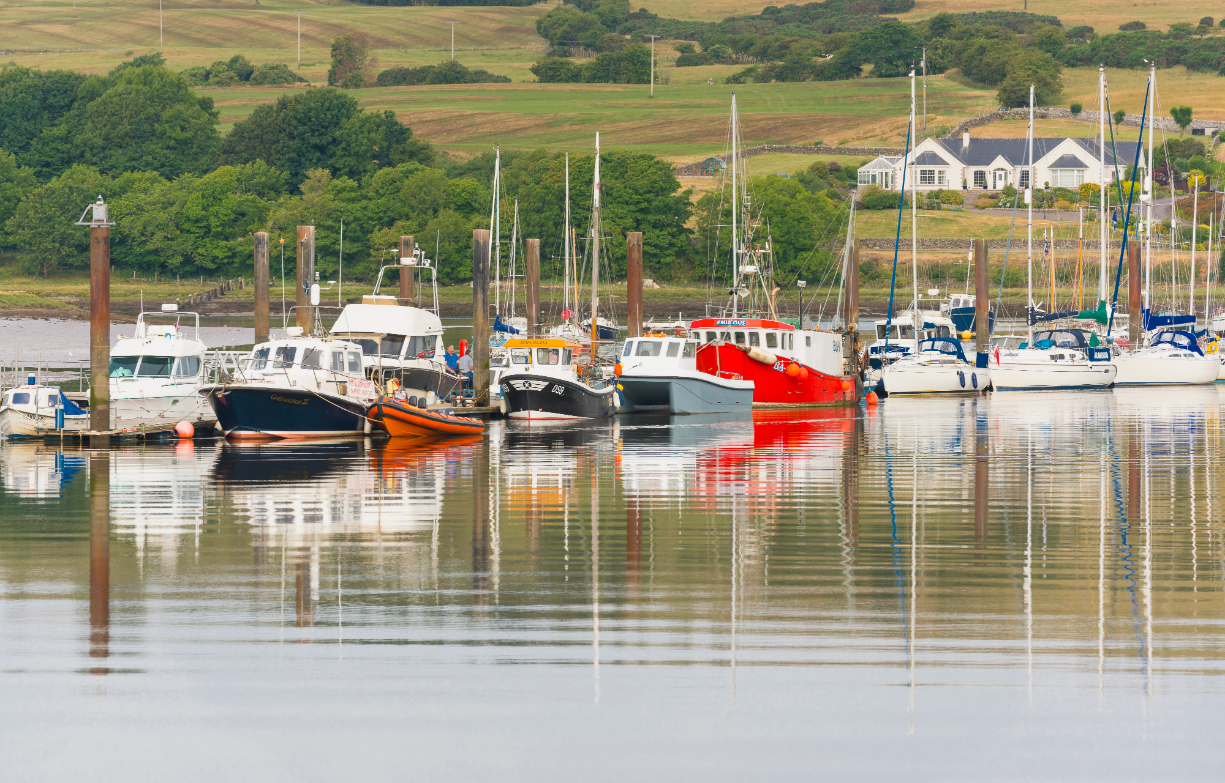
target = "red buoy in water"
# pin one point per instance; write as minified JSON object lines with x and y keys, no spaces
{"x":184,"y":429}
{"x":871,"y":399}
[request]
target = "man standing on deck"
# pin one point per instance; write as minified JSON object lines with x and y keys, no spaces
{"x":452,"y":359}
{"x":465,"y":369}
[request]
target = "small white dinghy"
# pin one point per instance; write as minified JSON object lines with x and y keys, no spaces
{"x":29,"y":411}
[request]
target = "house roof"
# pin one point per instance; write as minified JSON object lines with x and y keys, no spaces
{"x":930,"y":159}
{"x":1068,"y":162}
{"x":881,"y":164}
{"x":984,"y":152}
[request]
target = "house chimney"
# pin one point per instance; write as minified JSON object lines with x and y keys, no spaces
{"x":965,"y":140}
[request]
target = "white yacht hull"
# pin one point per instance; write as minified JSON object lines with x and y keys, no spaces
{"x":1153,"y":369}
{"x":905,"y":377}
{"x":1018,"y":376}
{"x":185,"y":405}
{"x":20,"y":424}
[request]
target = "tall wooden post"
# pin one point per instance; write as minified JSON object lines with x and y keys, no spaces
{"x":407,"y":273}
{"x":306,"y":276}
{"x":852,"y":290}
{"x":982,"y":304}
{"x":1135,"y":307}
{"x":982,"y":473}
{"x":633,"y":280}
{"x":533,"y":285}
{"x":100,"y":324}
{"x":262,"y":283}
{"x":480,"y":518}
{"x":480,"y":316}
{"x":99,"y":557}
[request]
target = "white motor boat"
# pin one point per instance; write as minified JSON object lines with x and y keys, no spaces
{"x":1172,"y":358}
{"x":900,"y":334}
{"x":545,"y":382}
{"x":1057,"y":359}
{"x":29,"y":411}
{"x":938,"y":367}
{"x":156,"y":374}
{"x":661,"y":373}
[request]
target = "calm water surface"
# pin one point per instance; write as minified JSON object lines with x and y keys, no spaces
{"x":1014,"y":587}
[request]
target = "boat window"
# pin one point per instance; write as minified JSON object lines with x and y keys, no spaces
{"x":691,"y":350}
{"x":548,"y":355}
{"x":155,"y":366}
{"x":338,"y":361}
{"x":673,"y":349}
{"x":648,"y":348}
{"x":311,"y":359}
{"x":711,"y":337}
{"x":943,"y":331}
{"x":739,"y":338}
{"x":5,"y":401}
{"x":629,"y":345}
{"x":808,"y":341}
{"x":754,"y":339}
{"x":188,"y":366}
{"x":565,"y":355}
{"x":21,"y":398}
{"x":123,"y":366}
{"x":284,"y":356}
{"x":369,"y":347}
{"x":906,"y":332}
{"x":259,"y":359}
{"x":499,"y":359}
{"x":48,"y":398}
{"x":355,"y":361}
{"x":771,"y":339}
{"x":521,"y":355}
{"x":431,"y":343}
{"x":393,"y":344}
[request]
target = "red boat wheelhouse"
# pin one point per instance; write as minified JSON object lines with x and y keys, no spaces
{"x":788,"y":366}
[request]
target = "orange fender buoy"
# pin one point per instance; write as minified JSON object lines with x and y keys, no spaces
{"x":846,"y":384}
{"x":617,"y":368}
{"x":185,"y":429}
{"x":803,"y":373}
{"x":871,"y":399}
{"x":793,"y":370}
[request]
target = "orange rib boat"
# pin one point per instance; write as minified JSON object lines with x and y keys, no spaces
{"x":401,"y":420}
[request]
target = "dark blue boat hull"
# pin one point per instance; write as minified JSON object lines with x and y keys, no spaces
{"x":963,"y":319}
{"x":255,"y":411}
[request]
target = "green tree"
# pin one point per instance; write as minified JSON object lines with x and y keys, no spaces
{"x":631,"y":65}
{"x":369,"y":141}
{"x":889,"y":47}
{"x":16,"y":182}
{"x":566,"y":26}
{"x":299,"y":132}
{"x":147,"y":233}
{"x":1031,"y":67}
{"x":31,"y":101}
{"x":1182,"y":116}
{"x":557,"y":70}
{"x":1049,"y":39}
{"x":42,"y":227}
{"x":350,"y":61}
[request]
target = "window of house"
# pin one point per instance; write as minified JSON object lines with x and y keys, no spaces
{"x":865,"y":178}
{"x":771,"y":340}
{"x":1024,"y":178}
{"x":1067,"y":178}
{"x":980,"y":179}
{"x":927,"y":176}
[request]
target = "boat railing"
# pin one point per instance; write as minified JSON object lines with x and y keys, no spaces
{"x":418,"y":263}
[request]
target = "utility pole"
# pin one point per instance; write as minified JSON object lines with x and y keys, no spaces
{"x":924,"y":88}
{"x":652,"y":37}
{"x":161,"y":40}
{"x":299,"y":40}
{"x":452,"y":38}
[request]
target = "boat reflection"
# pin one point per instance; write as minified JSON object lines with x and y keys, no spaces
{"x":34,"y":470}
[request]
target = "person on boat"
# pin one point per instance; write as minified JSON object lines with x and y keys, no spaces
{"x":452,"y":359}
{"x":464,"y":365}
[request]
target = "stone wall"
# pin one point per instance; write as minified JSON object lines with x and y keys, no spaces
{"x":963,"y":244}
{"x":695,"y":169}
{"x":1052,"y":113}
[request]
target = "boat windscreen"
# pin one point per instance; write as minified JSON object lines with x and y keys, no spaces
{"x":155,"y":366}
{"x":123,"y":366}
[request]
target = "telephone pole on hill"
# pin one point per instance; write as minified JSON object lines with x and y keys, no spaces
{"x":652,"y":37}
{"x":924,"y":88}
{"x":452,"y":38}
{"x":299,"y":40}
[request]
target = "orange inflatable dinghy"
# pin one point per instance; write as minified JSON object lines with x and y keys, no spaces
{"x":399,"y":419}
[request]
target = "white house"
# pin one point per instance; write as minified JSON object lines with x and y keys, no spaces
{"x":991,"y":164}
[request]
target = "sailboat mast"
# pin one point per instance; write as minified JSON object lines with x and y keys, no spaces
{"x":511,"y":274}
{"x":1101,"y":161}
{"x":595,"y":246}
{"x":1029,"y":224}
{"x":1148,"y":186}
{"x":495,"y":225}
{"x":914,"y":220}
{"x":735,"y":206}
{"x":1194,"y":237}
{"x":566,"y":252}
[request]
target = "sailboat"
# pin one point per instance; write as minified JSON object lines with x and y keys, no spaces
{"x":937,"y":365}
{"x":788,"y":366}
{"x":1053,"y":358}
{"x":1173,"y":356}
{"x":546,"y":379}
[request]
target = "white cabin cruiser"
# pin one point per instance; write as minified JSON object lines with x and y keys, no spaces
{"x":399,"y":342}
{"x":1174,"y":357}
{"x":1057,"y":359}
{"x":938,"y":366}
{"x":298,"y":387}
{"x":545,"y":382}
{"x":156,"y":374}
{"x":29,"y":411}
{"x":661,"y":373}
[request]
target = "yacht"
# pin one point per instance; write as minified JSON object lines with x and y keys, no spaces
{"x":29,"y":411}
{"x":545,"y":382}
{"x":938,"y":366}
{"x":896,"y":339}
{"x":1056,"y":359}
{"x":298,"y":387}
{"x":156,"y":374}
{"x":400,"y":342}
{"x":960,"y":310}
{"x":661,"y":373}
{"x":1174,"y":357}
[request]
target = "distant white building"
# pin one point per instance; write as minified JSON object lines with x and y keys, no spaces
{"x":992,"y":164}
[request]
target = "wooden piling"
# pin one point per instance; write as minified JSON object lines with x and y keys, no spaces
{"x":306,"y":276}
{"x":100,"y":333}
{"x":480,"y":316}
{"x":982,"y":471}
{"x":633,"y":281}
{"x":1135,"y":305}
{"x":407,"y":273}
{"x":99,"y":557}
{"x":262,"y":283}
{"x":852,"y":289}
{"x":982,"y":304}
{"x":533,"y":285}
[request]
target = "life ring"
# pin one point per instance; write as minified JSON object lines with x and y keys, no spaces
{"x":1211,"y":348}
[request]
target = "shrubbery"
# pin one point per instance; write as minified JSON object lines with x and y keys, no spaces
{"x":446,"y":72}
{"x":237,"y":71}
{"x":630,"y":65}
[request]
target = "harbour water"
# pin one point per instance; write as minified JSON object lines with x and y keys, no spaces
{"x":1016,"y":586}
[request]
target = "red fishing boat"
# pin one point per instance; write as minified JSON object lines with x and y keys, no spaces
{"x":788,"y":366}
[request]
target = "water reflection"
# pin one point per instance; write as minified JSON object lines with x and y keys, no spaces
{"x":977,"y":568}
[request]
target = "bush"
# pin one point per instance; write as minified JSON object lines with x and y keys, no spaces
{"x":446,"y":72}
{"x":983,"y":202}
{"x":1130,"y":26}
{"x":876,"y":197}
{"x":274,"y":73}
{"x":1064,"y":206}
{"x":951,"y":197}
{"x":196,"y":76}
{"x":1206,"y":21}
{"x":1076,"y":108}
{"x":690,"y":59}
{"x":743,"y":77}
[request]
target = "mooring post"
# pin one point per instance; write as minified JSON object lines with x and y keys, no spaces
{"x":1135,"y":306}
{"x":533,"y":285}
{"x":850,"y":337}
{"x":99,"y":557}
{"x":480,"y":515}
{"x":99,"y":320}
{"x":262,"y":285}
{"x":306,"y":276}
{"x":982,"y":473}
{"x":480,"y":316}
{"x":407,"y":273}
{"x":982,"y":305}
{"x":633,"y":281}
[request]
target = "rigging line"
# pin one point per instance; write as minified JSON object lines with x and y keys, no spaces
{"x":1127,"y":219}
{"x":897,"y":241}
